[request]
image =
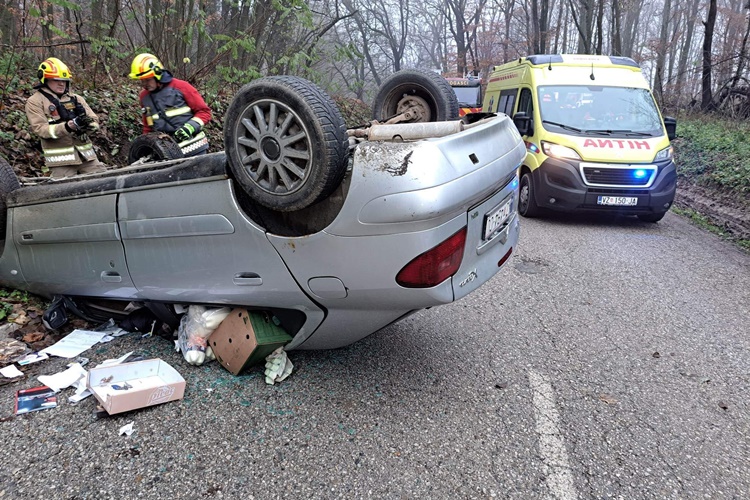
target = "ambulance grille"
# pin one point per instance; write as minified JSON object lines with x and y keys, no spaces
{"x":603,"y":176}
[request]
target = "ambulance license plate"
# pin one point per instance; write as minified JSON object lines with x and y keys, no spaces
{"x":618,"y":201}
{"x":496,"y":217}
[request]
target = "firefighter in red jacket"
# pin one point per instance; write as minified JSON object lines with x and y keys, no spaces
{"x":62,"y":120}
{"x":171,"y":105}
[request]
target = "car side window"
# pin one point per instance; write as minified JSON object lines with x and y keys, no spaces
{"x":507,"y":101}
{"x":526,"y":103}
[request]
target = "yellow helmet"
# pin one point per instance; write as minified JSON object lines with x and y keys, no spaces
{"x":53,"y":69}
{"x":146,"y":66}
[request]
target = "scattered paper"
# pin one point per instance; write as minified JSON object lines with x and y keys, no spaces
{"x":64,"y":379}
{"x":278,"y":366}
{"x":121,"y":359}
{"x":75,"y":343}
{"x":32,"y":358}
{"x":11,"y":371}
{"x":82,"y":392}
{"x":126,"y":429}
{"x":81,"y":361}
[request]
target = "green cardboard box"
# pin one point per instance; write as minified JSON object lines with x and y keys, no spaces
{"x":245,"y":338}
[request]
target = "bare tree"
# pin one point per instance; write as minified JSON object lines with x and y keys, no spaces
{"x":706,"y":95}
{"x":662,"y":52}
{"x":463,"y":29}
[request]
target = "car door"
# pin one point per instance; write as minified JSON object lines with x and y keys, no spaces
{"x":190,"y":243}
{"x":72,"y":247}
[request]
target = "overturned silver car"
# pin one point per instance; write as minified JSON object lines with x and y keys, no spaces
{"x":338,"y":232}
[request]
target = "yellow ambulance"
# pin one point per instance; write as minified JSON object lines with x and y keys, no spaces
{"x":595,"y":140}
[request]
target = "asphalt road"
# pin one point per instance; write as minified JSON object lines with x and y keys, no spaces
{"x":610,"y":359}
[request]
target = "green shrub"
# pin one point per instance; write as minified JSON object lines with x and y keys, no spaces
{"x":714,"y":152}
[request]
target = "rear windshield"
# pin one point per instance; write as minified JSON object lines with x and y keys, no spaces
{"x":596,"y":110}
{"x":468,"y":97}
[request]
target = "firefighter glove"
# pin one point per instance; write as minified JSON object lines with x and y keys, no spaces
{"x":185,"y":132}
{"x":82,"y":122}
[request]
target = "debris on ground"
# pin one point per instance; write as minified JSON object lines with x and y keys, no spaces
{"x":35,"y":398}
{"x":11,"y":371}
{"x":129,"y":386}
{"x":195,"y":328}
{"x":75,"y":343}
{"x":278,"y":366}
{"x":11,"y":350}
{"x":126,"y":429}
{"x":244,"y":339}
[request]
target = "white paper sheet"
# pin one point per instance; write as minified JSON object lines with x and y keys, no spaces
{"x":126,"y":429}
{"x":71,"y":376}
{"x":11,"y":371}
{"x":75,"y":343}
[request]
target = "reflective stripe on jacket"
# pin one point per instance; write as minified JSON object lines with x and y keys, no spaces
{"x":61,"y":147}
{"x":173,"y":105}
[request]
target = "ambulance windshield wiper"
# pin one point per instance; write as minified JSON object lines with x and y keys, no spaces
{"x":623,"y":131}
{"x":562,"y":125}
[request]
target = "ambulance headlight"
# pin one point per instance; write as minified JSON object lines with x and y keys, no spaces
{"x":558,"y":151}
{"x":664,"y":154}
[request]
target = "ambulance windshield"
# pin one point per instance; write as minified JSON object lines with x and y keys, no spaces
{"x":597,"y":110}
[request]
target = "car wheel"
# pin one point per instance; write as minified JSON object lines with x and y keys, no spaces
{"x":285,"y":142}
{"x":8,"y":183}
{"x":651,"y":217}
{"x":526,"y":203}
{"x":157,"y":146}
{"x":427,"y":96}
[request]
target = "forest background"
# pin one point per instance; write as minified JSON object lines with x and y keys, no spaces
{"x":694,"y":53}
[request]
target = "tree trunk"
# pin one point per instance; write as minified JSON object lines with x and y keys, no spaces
{"x":743,"y":54}
{"x":543,"y":26}
{"x":599,"y":26}
{"x":706,"y":97}
{"x":662,"y":53}
{"x":682,"y":65}
{"x":7,"y":23}
{"x":49,"y":20}
{"x":535,"y":33}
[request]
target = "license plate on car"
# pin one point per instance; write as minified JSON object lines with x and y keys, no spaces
{"x":495,"y":218}
{"x":619,"y":201}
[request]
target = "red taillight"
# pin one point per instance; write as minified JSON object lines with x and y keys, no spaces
{"x":435,"y":265}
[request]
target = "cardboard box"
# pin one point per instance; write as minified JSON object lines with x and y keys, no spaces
{"x":244,"y":339}
{"x":129,"y":386}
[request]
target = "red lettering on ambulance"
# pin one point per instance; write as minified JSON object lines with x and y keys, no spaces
{"x":611,"y":143}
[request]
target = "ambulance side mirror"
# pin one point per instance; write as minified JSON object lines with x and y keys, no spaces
{"x":671,"y":125}
{"x":522,"y":121}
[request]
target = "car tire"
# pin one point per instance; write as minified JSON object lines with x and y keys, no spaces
{"x":158,"y":145}
{"x":430,"y":94}
{"x":8,"y":183}
{"x":299,"y":160}
{"x":651,"y":217}
{"x":526,"y":203}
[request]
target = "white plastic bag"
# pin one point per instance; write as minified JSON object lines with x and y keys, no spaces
{"x":278,"y":366}
{"x":195,"y":328}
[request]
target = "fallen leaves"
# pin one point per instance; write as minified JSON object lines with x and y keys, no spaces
{"x":33,"y":337}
